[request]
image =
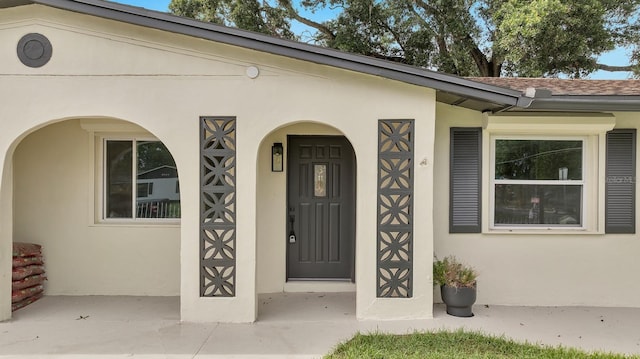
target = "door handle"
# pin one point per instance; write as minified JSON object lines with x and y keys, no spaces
{"x":292,"y":220}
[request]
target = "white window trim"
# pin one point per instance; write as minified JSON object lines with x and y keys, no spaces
{"x":100,"y":181}
{"x":593,"y":126}
{"x":584,"y":183}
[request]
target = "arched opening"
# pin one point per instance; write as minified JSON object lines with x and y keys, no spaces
{"x":315,"y":229}
{"x":102,"y":198}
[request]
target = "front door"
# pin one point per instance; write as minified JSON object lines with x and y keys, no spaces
{"x":321,"y":208}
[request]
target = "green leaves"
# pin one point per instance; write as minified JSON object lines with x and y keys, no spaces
{"x":532,"y":38}
{"x":252,"y":15}
{"x":549,"y":37}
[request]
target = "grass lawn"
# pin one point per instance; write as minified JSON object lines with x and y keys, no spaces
{"x":458,"y":344}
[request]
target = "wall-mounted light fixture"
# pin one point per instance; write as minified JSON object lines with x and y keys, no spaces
{"x":276,"y":157}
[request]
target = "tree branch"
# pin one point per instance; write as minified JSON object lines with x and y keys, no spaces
{"x":480,"y":59}
{"x":425,"y":7}
{"x":614,"y":68}
{"x":440,"y":39}
{"x":316,"y":25}
{"x":496,"y":66}
{"x":394,"y":34}
{"x":478,"y":56}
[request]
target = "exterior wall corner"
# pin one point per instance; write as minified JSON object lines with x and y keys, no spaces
{"x":6,"y":233}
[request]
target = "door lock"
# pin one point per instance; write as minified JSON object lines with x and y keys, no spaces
{"x":292,"y":220}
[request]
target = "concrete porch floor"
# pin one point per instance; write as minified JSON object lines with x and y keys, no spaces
{"x":301,"y":325}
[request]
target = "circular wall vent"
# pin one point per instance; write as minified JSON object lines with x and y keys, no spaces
{"x":34,"y":50}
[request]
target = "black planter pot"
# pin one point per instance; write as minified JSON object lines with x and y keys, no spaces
{"x":459,"y":301}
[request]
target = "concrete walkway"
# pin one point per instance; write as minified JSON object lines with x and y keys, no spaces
{"x":289,"y":326}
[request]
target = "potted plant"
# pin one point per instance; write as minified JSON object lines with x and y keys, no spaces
{"x":457,"y":285}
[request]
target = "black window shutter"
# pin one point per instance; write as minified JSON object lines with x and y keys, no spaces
{"x":620,"y":187}
{"x":465,"y":187}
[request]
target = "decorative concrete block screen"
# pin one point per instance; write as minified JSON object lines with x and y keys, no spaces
{"x":217,"y":206}
{"x":395,"y":208}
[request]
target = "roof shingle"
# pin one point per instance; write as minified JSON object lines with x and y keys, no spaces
{"x":566,"y":87}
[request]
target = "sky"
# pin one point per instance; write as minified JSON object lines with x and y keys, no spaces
{"x":616,"y":57}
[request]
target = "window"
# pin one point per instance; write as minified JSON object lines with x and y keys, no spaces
{"x":145,"y":189}
{"x":320,"y":180}
{"x":538,"y":182}
{"x":143,"y":170}
{"x":569,"y":173}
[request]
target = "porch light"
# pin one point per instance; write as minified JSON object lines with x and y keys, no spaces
{"x":276,"y":157}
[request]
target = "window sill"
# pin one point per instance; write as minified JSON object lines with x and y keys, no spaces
{"x":138,"y":224}
{"x":543,"y":231}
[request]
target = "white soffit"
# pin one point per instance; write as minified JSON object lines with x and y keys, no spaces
{"x":549,"y":123}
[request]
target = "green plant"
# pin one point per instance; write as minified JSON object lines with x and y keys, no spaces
{"x":453,"y":273}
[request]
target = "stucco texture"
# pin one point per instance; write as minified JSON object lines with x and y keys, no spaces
{"x":53,"y":206}
{"x":163,"y":83}
{"x":541,"y":267}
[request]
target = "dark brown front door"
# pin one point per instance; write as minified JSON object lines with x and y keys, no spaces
{"x":321,"y":208}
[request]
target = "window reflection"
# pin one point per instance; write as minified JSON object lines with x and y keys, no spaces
{"x":538,"y":204}
{"x":538,"y":182}
{"x":151,"y":178}
{"x":320,"y":180}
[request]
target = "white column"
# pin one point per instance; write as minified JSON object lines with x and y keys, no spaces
{"x":6,"y":234}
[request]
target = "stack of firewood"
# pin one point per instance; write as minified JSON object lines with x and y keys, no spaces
{"x":28,"y":275}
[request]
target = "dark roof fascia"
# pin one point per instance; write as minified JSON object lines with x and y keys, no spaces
{"x":320,"y":55}
{"x":587,"y":103}
{"x":509,"y":99}
{"x":12,"y":3}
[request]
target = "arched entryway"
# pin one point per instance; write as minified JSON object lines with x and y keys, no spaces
{"x":102,"y":197}
{"x":306,"y":213}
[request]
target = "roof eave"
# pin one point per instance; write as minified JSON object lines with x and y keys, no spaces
{"x":586,"y":104}
{"x":507,"y":99}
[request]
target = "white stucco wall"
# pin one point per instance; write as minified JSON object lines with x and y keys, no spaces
{"x":164,"y":83}
{"x":542,"y":269}
{"x":6,"y":232}
{"x":359,"y":125}
{"x":54,"y":206}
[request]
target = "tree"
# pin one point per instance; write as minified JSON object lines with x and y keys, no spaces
{"x":532,"y":38}
{"x":245,"y":14}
